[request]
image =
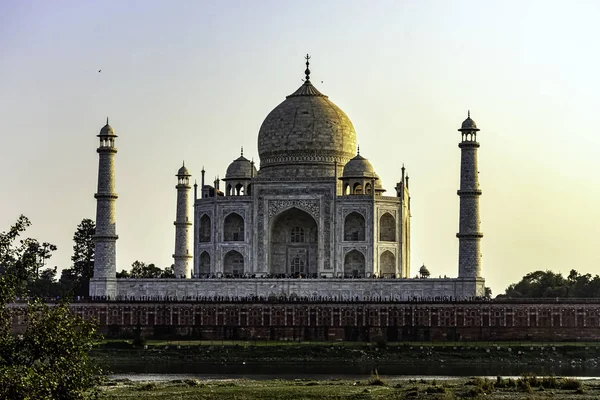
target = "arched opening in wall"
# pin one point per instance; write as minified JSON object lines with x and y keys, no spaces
{"x":293,"y":244}
{"x":387,"y":228}
{"x":233,"y":264}
{"x":233,"y":228}
{"x":228,"y":191}
{"x":357,"y":188}
{"x":346,"y":189}
{"x":354,"y":227}
{"x":204,"y":269}
{"x":205,"y":228}
{"x":367,"y":188}
{"x":387,"y":264}
{"x":239,"y":189}
{"x":297,"y":266}
{"x":354,"y":264}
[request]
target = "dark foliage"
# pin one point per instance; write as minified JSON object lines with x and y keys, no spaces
{"x":540,"y":284}
{"x":49,"y":360}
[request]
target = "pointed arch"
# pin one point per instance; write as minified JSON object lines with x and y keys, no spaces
{"x":233,"y":228}
{"x":204,"y":268}
{"x":387,"y":264}
{"x":293,"y":243}
{"x":387,"y":228}
{"x":233,"y":263}
{"x":205,"y":229}
{"x":354,"y":227}
{"x":354,"y":264}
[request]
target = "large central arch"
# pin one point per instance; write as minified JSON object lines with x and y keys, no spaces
{"x":294,"y":243}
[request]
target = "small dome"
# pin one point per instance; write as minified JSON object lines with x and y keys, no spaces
{"x":107,"y":130}
{"x":183,"y":171}
{"x":468,"y":124}
{"x":424,"y":271}
{"x":359,"y":167}
{"x":241,"y":168}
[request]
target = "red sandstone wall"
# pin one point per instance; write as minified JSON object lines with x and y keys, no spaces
{"x":346,"y":321}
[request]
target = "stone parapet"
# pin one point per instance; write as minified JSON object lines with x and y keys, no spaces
{"x":399,"y":289}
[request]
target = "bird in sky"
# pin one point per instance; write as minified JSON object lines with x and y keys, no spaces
{"x":99,"y":70}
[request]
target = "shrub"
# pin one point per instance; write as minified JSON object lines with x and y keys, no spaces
{"x":375,"y":380}
{"x":435,"y":389}
{"x":148,"y":386}
{"x":486,"y":385}
{"x":571,"y":384}
{"x":524,"y":385}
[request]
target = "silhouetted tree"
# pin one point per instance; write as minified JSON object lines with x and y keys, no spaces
{"x":50,"y":359}
{"x":539,"y":284}
{"x":79,"y":275}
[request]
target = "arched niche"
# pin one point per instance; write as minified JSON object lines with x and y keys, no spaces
{"x":354,"y":264}
{"x":354,"y":227}
{"x":233,"y":263}
{"x":204,"y":268}
{"x":205,"y":229}
{"x":387,"y":228}
{"x":233,"y":228}
{"x":387,"y":264}
{"x":293,"y":243}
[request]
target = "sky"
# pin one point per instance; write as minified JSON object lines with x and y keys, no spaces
{"x":193,"y":80}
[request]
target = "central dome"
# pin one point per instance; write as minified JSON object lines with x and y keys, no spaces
{"x":304,"y":136}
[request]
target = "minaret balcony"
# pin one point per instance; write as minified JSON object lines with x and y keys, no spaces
{"x":100,"y":237}
{"x":107,"y":149}
{"x":469,"y":192}
{"x":469,"y":144}
{"x":182,"y":223}
{"x":473,"y":235}
{"x":106,"y":195}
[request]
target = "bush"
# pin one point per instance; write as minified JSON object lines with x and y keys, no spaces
{"x":502,"y":383}
{"x":435,"y":389}
{"x":375,"y":380}
{"x":571,"y":384}
{"x":148,"y":386}
{"x":524,"y":385}
{"x":486,"y":385}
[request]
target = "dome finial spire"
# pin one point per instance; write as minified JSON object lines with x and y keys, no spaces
{"x":242,"y":151}
{"x":358,"y":150}
{"x":468,"y":113}
{"x":307,"y":71}
{"x":106,"y":120}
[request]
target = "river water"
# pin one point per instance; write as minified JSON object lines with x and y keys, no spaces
{"x":171,"y":371}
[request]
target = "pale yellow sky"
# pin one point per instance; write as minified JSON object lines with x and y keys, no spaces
{"x":194,"y":80}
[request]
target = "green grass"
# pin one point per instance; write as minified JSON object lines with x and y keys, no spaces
{"x":241,"y":389}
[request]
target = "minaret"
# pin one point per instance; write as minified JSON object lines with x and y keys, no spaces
{"x":469,"y":236}
{"x":105,"y":257}
{"x":183,"y":226}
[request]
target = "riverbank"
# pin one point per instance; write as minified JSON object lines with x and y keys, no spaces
{"x":373,"y":387}
{"x":576,"y":354}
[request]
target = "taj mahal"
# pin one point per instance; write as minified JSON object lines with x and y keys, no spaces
{"x":312,"y":219}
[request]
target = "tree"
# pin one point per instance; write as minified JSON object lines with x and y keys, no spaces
{"x":488,"y":292}
{"x":141,"y":270}
{"x":169,"y":272}
{"x":540,"y":284}
{"x":50,"y":360}
{"x":79,"y":275}
{"x":22,"y":259}
{"x":123,"y":274}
